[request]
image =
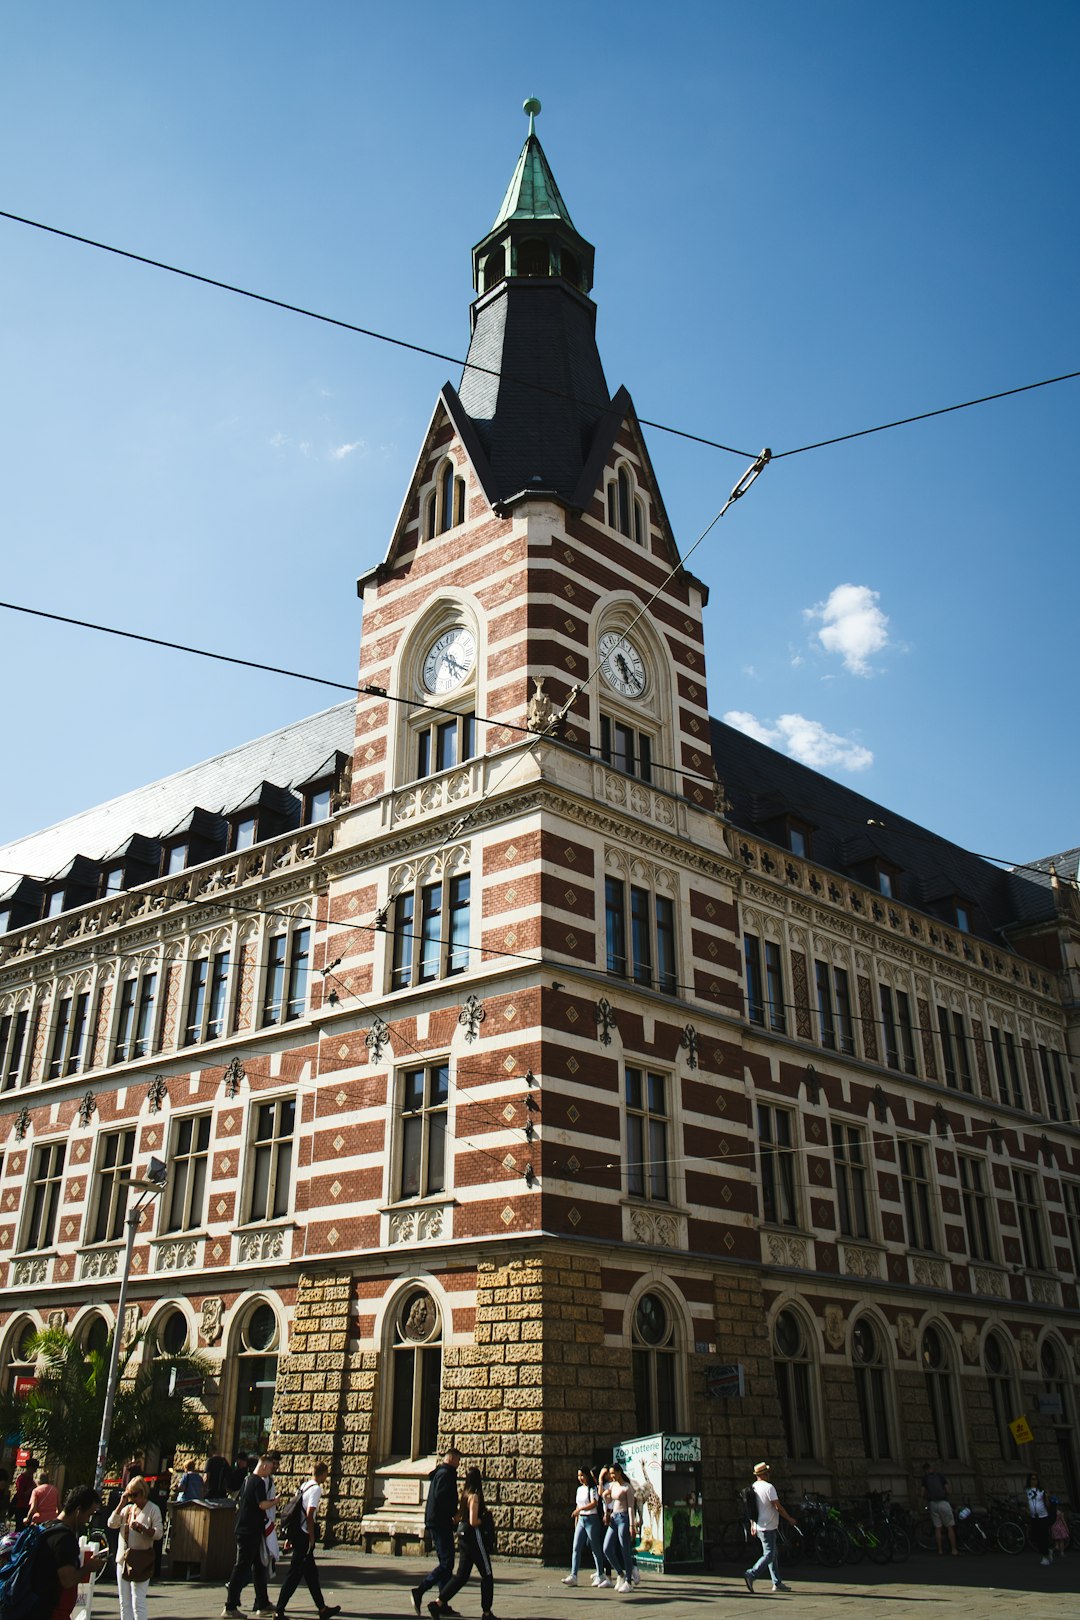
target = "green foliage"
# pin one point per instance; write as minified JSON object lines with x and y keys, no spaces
{"x":61,"y":1417}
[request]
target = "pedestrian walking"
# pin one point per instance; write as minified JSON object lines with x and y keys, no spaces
{"x":1039,"y":1515}
{"x":22,"y":1491}
{"x":475,"y":1539}
{"x":303,"y":1537}
{"x":62,"y":1565}
{"x":588,"y":1529}
{"x":621,"y":1507}
{"x":765,"y":1524}
{"x":936,"y":1490}
{"x":139,"y":1522}
{"x":440,"y":1516}
{"x":44,"y":1504}
{"x":255,"y":1499}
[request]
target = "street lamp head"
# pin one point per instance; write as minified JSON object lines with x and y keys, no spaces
{"x":157,"y":1174}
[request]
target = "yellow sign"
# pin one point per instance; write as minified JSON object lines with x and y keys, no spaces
{"x":1020,"y":1430}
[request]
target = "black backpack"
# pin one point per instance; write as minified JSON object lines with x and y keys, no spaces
{"x":749,"y":1499}
{"x":292,"y":1520}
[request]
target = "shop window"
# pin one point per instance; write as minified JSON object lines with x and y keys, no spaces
{"x":416,"y":1356}
{"x":655,"y":1353}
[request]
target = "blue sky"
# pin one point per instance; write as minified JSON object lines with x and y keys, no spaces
{"x":809,"y":218}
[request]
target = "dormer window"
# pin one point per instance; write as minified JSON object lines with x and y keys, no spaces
{"x":54,"y":903}
{"x":317,"y":805}
{"x":963,"y":918}
{"x":245,"y":832}
{"x":112,"y":881}
{"x":446,"y":502}
{"x":625,"y":507}
{"x":174,"y":859}
{"x":885,"y":883}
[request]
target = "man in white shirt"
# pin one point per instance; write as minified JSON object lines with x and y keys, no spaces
{"x":302,"y":1564}
{"x":765,"y":1521}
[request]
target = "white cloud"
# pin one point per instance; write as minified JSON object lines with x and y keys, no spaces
{"x":804,"y":740}
{"x":852,"y":625}
{"x":277,"y":441}
{"x":344,"y":450}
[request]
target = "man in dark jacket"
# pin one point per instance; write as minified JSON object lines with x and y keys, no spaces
{"x":440,"y":1512}
{"x":256,"y":1495}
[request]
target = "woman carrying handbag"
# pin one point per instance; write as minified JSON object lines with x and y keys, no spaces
{"x":139,"y":1523}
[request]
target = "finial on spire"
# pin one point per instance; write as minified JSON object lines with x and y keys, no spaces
{"x":532,"y":107}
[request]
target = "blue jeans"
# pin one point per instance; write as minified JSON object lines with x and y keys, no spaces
{"x":768,"y":1560}
{"x":619,"y":1545}
{"x":588,"y":1532}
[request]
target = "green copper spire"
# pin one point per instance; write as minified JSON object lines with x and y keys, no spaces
{"x":532,"y":192}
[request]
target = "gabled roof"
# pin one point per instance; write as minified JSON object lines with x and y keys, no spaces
{"x":532,"y":192}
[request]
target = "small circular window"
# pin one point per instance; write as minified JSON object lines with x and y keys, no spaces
{"x":173,"y":1334}
{"x":788,"y":1335}
{"x":651,"y":1320}
{"x":260,"y":1329}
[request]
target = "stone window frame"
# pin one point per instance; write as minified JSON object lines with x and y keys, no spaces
{"x":626,"y":503}
{"x":69,"y":1040}
{"x":651,"y":715}
{"x":411,"y":880}
{"x":136,"y":969}
{"x":276,"y":1145}
{"x":286,"y":923}
{"x":875,"y":1387}
{"x":442,"y":502}
{"x":681,"y":1339}
{"x":647,"y":1067}
{"x":391,"y":1347}
{"x":659,"y":883}
{"x":811,"y":1360}
{"x":188,"y":1159}
{"x":943,"y":1391}
{"x":1002,"y":1386}
{"x":452,"y":608}
{"x":109,"y":1185}
{"x":16,"y":1027}
{"x":207,"y":947}
{"x":41,"y":1224}
{"x":427,"y":1062}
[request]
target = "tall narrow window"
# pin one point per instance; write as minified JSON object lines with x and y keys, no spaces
{"x":1002,"y":1396}
{"x":42,"y":1197}
{"x":271,"y":1153}
{"x":976,"y":1204}
{"x":416,"y":1362}
{"x":188,"y":1157}
{"x":915,"y":1186}
{"x":439,"y":947}
{"x":135,"y":1019}
{"x":651,"y":918}
{"x":765,"y":1000}
{"x":792,"y":1364}
{"x":646,"y":1134}
{"x":1054,"y":1088}
{"x":777,"y":1156}
{"x":625,"y":748}
{"x":755,"y":990}
{"x":870,"y":1390}
{"x":1029,"y":1220}
{"x":954,"y":1049}
{"x":898,"y":1033}
{"x":445,"y":743}
{"x":69,"y":1035}
{"x":654,"y":1352}
{"x":12,"y":1046}
{"x":937,"y":1372}
{"x":849,"y":1160}
{"x":116,"y":1151}
{"x":1071,"y":1193}
{"x":1006,"y":1067}
{"x":287,"y":962}
{"x":834,"y":1008}
{"x":425,"y":1095}
{"x":207,"y":998}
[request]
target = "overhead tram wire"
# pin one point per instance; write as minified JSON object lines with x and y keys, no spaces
{"x":351,"y":326}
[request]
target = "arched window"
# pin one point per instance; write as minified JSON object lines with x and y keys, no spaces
{"x":257,"y":1366}
{"x":446,"y":502}
{"x":533,"y":258}
{"x":94,"y":1335}
{"x":792,"y":1364}
{"x":172,"y":1334}
{"x":1002,"y":1395}
{"x":416,"y":1376}
{"x":1057,"y":1384}
{"x":569,"y":267}
{"x":868,"y":1358}
{"x":19,"y":1374}
{"x":625,"y":507}
{"x":494,"y":267}
{"x":655,"y":1353}
{"x":937,"y":1371}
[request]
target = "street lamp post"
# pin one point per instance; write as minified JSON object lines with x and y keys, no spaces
{"x":154,"y":1182}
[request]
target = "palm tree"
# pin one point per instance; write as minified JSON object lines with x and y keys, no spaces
{"x":61,"y":1416}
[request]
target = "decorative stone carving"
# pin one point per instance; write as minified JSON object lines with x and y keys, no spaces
{"x":132,"y":1319}
{"x":377,"y":1039}
{"x":1044,"y":1290}
{"x":210,"y":1319}
{"x":22,"y":1124}
{"x":811,"y":1084}
{"x":835,"y":1327}
{"x":929,"y":1273}
{"x":786,"y":1250}
{"x":25,"y":1273}
{"x":988,"y":1281}
{"x":157,"y":1092}
{"x":688,"y":1042}
{"x":87,"y":1108}
{"x":881,"y":1105}
{"x":861,"y":1262}
{"x":969,"y":1342}
{"x":605,"y":1020}
{"x":57,"y":1320}
{"x":181,"y":1254}
{"x":100,"y":1263}
{"x":1028,"y":1354}
{"x":657,"y":1227}
{"x":421,"y":1319}
{"x":541,"y":711}
{"x":905,"y":1334}
{"x":265,"y":1245}
{"x":471,"y":1016}
{"x":235,"y":1076}
{"x":403,"y":1226}
{"x":721,"y":802}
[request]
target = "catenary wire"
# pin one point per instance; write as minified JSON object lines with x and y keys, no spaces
{"x":350,"y":326}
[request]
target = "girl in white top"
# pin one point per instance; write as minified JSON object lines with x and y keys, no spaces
{"x":1040,"y":1517}
{"x":139,"y":1523}
{"x":588,"y":1529}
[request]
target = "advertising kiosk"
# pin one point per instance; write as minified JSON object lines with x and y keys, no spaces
{"x":665,"y":1471}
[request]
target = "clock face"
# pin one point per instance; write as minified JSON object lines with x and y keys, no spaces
{"x":449,"y":660}
{"x":621,"y":665}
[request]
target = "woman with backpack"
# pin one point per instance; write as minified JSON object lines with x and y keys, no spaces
{"x":476,"y":1540}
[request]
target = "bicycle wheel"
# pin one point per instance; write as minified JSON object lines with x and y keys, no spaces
{"x":900,"y":1543}
{"x":878,"y":1544}
{"x":1010,"y":1536}
{"x":924,"y":1534}
{"x":831,"y":1546}
{"x":971,"y":1537}
{"x":856,"y":1543}
{"x":732,"y":1543}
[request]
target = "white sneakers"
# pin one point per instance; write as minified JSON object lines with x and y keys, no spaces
{"x":622,"y":1585}
{"x":569,"y":1580}
{"x":602,"y":1582}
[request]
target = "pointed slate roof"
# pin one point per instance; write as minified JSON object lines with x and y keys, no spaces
{"x":532,"y":192}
